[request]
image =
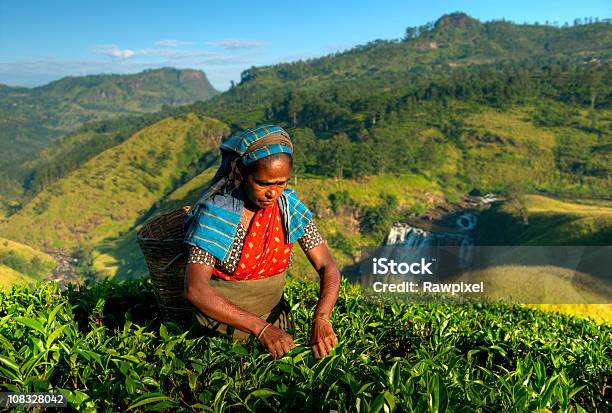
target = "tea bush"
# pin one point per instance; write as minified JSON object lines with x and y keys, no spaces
{"x":104,"y":348}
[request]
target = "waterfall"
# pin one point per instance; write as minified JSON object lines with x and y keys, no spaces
{"x":410,"y":236}
{"x":442,"y":236}
{"x":414,"y":243}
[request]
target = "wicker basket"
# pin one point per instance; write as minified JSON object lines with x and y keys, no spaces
{"x":161,"y":242}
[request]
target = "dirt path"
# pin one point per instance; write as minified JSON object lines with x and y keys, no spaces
{"x":66,"y":270}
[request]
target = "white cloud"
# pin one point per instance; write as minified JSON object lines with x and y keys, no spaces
{"x":236,"y":44}
{"x":177,"y":54}
{"x":123,"y":54}
{"x":171,"y":43}
{"x":115,"y":51}
{"x":162,"y":52}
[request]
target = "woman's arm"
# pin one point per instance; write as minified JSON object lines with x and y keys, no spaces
{"x":323,"y":338}
{"x":206,"y":299}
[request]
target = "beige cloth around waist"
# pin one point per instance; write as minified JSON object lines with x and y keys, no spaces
{"x":258,"y":297}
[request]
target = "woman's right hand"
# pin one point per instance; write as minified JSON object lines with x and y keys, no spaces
{"x":276,"y":341}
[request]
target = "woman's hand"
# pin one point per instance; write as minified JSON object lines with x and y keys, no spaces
{"x":322,"y":337}
{"x":276,"y":341}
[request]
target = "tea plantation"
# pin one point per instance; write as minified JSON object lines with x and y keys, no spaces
{"x":104,"y":348}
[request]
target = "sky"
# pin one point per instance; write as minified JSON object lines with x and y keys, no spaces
{"x":41,"y":41}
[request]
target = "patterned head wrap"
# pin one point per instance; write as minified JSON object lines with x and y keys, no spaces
{"x":259,"y":142}
{"x":246,"y":148}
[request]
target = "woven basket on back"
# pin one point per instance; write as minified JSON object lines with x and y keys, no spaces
{"x":161,"y":242}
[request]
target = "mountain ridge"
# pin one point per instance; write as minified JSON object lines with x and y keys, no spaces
{"x":30,"y":118}
{"x":389,"y":66}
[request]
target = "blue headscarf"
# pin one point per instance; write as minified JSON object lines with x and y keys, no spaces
{"x":213,"y":221}
{"x":257,"y":143}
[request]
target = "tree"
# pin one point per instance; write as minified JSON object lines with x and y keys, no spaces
{"x":377,"y":220}
{"x":338,"y":155}
{"x":411,"y":33}
{"x":294,"y":107}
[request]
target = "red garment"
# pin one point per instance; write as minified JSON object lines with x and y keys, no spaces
{"x":264,"y":253}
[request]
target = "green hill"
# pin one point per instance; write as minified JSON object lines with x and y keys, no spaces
{"x":71,"y":151}
{"x":368,"y":79}
{"x":31,"y":118}
{"x":433,"y":80}
{"x":110,"y":192}
{"x":396,"y":98}
{"x":539,"y":220}
{"x":480,"y":105}
{"x":10,"y":277}
{"x":20,"y":263}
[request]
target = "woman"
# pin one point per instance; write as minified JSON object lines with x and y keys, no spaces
{"x":240,"y":236}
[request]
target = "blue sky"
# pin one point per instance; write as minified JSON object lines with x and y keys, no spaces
{"x":42,"y":41}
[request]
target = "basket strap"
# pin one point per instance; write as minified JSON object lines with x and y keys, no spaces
{"x":172,"y":261}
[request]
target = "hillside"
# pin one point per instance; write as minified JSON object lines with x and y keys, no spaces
{"x":110,"y":192}
{"x":71,"y":151}
{"x":368,"y":76}
{"x":539,"y":220}
{"x":528,"y":104}
{"x":479,"y":105}
{"x":30,"y":118}
{"x":21,"y":264}
{"x":431,"y":80}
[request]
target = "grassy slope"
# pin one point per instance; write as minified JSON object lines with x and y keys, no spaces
{"x":539,"y":220}
{"x":504,"y":147}
{"x":509,"y":148}
{"x":576,"y":223}
{"x":20,"y":263}
{"x":10,"y":277}
{"x":562,"y":223}
{"x":550,"y":284}
{"x":106,"y":196}
{"x":120,"y":257}
{"x":556,"y":222}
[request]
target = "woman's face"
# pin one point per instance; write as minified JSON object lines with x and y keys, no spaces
{"x":267,"y":181}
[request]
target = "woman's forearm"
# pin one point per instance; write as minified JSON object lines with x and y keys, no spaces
{"x":329,"y":286}
{"x":206,"y":299}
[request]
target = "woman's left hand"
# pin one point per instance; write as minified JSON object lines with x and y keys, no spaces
{"x":322,"y":338}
